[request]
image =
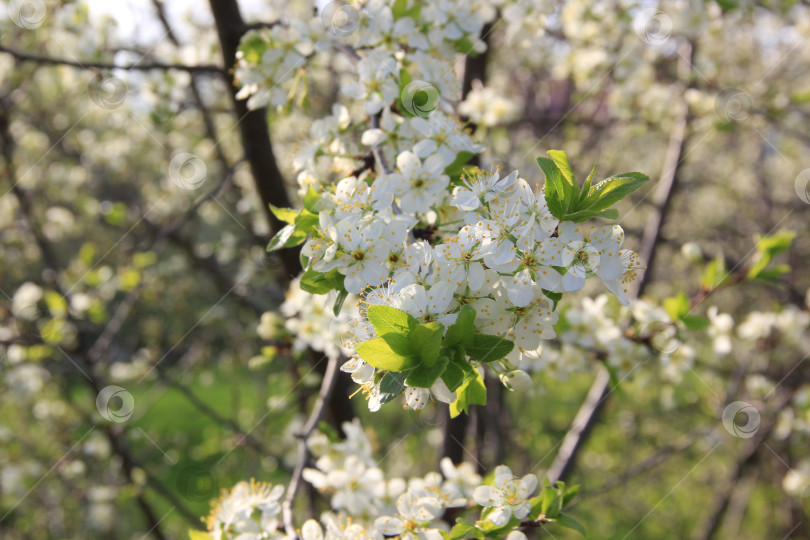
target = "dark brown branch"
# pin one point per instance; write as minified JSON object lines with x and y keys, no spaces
{"x":255,"y":131}
{"x":145,"y":66}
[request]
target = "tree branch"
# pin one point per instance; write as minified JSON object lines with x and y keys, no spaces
{"x":255,"y":131}
{"x":327,"y":386}
{"x":597,"y":395}
{"x":145,"y":66}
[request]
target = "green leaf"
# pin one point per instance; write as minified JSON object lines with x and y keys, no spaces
{"x":555,"y":188}
{"x":306,"y":221}
{"x":553,"y":296}
{"x":611,"y":190}
{"x":551,"y":504}
{"x":493,"y":531}
{"x":287,"y":215}
{"x":465,"y":47}
{"x":424,"y":376}
{"x":714,"y":273}
{"x":428,"y":338}
{"x":392,"y":385}
{"x":471,"y":392}
{"x":568,"y":494}
{"x":586,"y":187}
{"x":318,"y":283}
{"x":198,"y":535}
{"x":457,"y":166}
{"x":584,"y":215}
{"x":677,"y":306}
{"x":568,"y":522}
{"x":283,"y":237}
{"x":341,"y":297}
{"x":776,"y":243}
{"x":695,"y":322}
{"x":391,"y":352}
{"x":310,"y":200}
{"x":488,"y":348}
{"x":386,"y":320}
{"x":465,"y":529}
{"x":456,"y":370}
{"x":399,"y":9}
{"x":560,"y":159}
{"x":770,"y":274}
{"x":767,"y":248}
{"x":462,"y":331}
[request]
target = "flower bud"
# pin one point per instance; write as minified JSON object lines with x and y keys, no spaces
{"x":269,"y":326}
{"x":691,"y":251}
{"x":517,"y":380}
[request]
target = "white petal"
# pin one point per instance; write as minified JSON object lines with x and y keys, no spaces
{"x":487,"y":496}
{"x":500,"y":516}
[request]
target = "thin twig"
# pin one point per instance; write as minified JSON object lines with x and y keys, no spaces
{"x":145,"y":66}
{"x":597,"y":395}
{"x":327,"y":386}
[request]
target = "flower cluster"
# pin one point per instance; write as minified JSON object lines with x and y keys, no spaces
{"x":367,"y":504}
{"x":406,"y":224}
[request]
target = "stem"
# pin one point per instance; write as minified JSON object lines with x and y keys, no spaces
{"x":146,"y":66}
{"x":327,"y":386}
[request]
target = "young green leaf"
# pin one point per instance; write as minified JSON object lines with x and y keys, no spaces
{"x":310,"y":200}
{"x":464,"y":529}
{"x":488,"y":348}
{"x":471,"y":392}
{"x":463,"y":329}
{"x":391,"y":352}
{"x":560,"y":159}
{"x":287,"y":215}
{"x":318,"y":283}
{"x":677,"y":306}
{"x":386,"y":320}
{"x":424,"y":376}
{"x":555,"y":189}
{"x":428,"y":338}
{"x":584,"y":215}
{"x":715,"y":273}
{"x":456,"y":369}
{"x":568,"y":494}
{"x":611,"y":190}
{"x":198,"y":535}
{"x":341,"y":297}
{"x":283,"y":237}
{"x":586,"y":187}
{"x":392,"y":385}
{"x":775,"y":243}
{"x":568,"y":522}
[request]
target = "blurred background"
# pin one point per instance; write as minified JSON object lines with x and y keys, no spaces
{"x":138,"y":376}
